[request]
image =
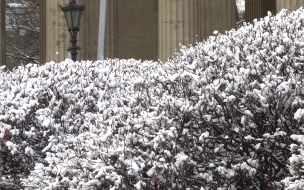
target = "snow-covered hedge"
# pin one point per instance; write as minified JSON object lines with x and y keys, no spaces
{"x":225,"y":114}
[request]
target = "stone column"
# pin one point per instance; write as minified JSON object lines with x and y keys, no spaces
{"x":89,"y":26}
{"x":253,"y":9}
{"x":217,"y":15}
{"x":185,"y":22}
{"x":289,"y":4}
{"x":177,"y":25}
{"x":111,"y":41}
{"x":2,"y":33}
{"x":42,"y":32}
{"x":259,"y":8}
{"x":137,"y":29}
{"x":54,"y":31}
{"x":54,"y":34}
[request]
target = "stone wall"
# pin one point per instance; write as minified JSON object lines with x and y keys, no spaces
{"x":178,"y":24}
{"x":186,"y":22}
{"x":54,"y":32}
{"x":54,"y":35}
{"x":217,"y":15}
{"x":150,"y":29}
{"x":259,"y":8}
{"x":289,"y":4}
{"x":88,"y":34}
{"x":2,"y":33}
{"x":111,"y":40}
{"x":137,"y":29}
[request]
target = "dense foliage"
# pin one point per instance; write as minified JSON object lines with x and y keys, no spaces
{"x":225,"y":114}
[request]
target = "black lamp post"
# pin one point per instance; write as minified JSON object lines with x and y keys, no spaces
{"x":72,"y":14}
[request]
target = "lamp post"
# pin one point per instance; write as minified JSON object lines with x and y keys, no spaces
{"x":72,"y":13}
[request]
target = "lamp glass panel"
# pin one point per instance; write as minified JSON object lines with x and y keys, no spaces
{"x":68,"y":17}
{"x":76,"y":18}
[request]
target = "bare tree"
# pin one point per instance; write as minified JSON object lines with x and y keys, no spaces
{"x":22,"y":32}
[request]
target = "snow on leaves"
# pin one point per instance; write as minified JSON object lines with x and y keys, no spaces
{"x":225,"y":114}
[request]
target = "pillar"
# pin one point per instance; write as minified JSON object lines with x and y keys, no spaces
{"x":258,"y":9}
{"x":137,"y":29}
{"x":217,"y":15}
{"x":54,"y":36}
{"x":89,"y":26}
{"x":177,"y":25}
{"x":42,"y":32}
{"x":111,"y":38}
{"x":2,"y":33}
{"x":253,"y":9}
{"x":185,"y":22}
{"x":289,"y":4}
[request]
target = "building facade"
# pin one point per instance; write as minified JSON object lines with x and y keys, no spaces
{"x":289,"y":4}
{"x":2,"y":34}
{"x":150,"y":29}
{"x":259,"y":8}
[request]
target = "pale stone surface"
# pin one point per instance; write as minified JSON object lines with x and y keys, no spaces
{"x":177,"y":25}
{"x":131,"y":29}
{"x":111,"y":30}
{"x":253,"y":9}
{"x":56,"y":33}
{"x":137,"y":29}
{"x":134,"y":29}
{"x":88,"y":34}
{"x":42,"y":33}
{"x":289,"y":4}
{"x":185,"y":22}
{"x":217,"y":15}
{"x":2,"y":33}
{"x":259,"y":8}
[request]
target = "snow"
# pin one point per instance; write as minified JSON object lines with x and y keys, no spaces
{"x":215,"y":116}
{"x":29,"y":151}
{"x":15,"y":5}
{"x":180,"y":159}
{"x":299,"y":114}
{"x":280,"y":50}
{"x":46,"y":123}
